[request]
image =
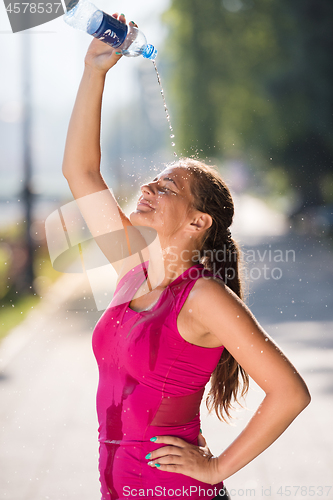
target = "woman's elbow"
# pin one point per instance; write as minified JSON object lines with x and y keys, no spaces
{"x":294,"y":397}
{"x":300,"y":397}
{"x":68,"y":169}
{"x":306,"y":398}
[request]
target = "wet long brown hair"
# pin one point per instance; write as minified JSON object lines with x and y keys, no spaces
{"x":229,"y":382}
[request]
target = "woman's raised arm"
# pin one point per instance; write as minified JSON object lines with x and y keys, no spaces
{"x":82,"y":158}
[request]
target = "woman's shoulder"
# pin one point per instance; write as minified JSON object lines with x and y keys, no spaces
{"x":208,"y":282}
{"x":198,"y":304}
{"x":208,"y":290}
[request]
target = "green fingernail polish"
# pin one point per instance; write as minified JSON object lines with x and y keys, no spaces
{"x":157,"y":465}
{"x":200,"y":430}
{"x":154,"y":439}
{"x":122,"y":15}
{"x":148,"y":455}
{"x":118,"y":53}
{"x":132,"y":22}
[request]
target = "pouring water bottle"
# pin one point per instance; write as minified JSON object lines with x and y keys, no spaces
{"x":129,"y":40}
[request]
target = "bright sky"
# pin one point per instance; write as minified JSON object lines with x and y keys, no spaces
{"x":58,"y":51}
{"x":57,"y":63}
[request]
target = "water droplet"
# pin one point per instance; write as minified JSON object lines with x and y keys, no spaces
{"x":172,"y":136}
{"x":173,"y":144}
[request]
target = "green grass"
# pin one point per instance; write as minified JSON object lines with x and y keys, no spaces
{"x":14,"y":307}
{"x":12,"y":313}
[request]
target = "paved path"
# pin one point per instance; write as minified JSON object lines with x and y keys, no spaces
{"x":297,"y":311}
{"x":48,"y":380}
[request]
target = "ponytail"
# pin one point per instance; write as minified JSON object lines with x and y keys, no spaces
{"x":221,"y":255}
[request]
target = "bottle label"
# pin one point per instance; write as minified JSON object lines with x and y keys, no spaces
{"x":111,"y":31}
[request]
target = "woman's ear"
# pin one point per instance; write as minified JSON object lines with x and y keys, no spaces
{"x":200,"y":223}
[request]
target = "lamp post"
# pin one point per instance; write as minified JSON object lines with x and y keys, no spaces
{"x":27,"y":277}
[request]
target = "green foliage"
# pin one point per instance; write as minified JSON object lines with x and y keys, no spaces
{"x":15,"y":304}
{"x":258,"y":78}
{"x":13,"y":312}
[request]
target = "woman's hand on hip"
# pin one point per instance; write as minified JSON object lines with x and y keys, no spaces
{"x":101,"y":56}
{"x":181,"y":457}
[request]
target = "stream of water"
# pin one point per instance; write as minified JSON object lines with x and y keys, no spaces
{"x":172,"y":135}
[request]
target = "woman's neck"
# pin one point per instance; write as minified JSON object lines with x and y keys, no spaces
{"x":167,"y":262}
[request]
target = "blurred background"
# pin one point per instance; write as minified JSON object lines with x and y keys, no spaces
{"x":249,"y":87}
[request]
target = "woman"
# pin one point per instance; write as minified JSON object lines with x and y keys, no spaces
{"x":177,"y":317}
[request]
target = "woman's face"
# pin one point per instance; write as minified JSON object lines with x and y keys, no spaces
{"x":166,"y":203}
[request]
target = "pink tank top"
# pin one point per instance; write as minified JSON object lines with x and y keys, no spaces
{"x":151,"y":383}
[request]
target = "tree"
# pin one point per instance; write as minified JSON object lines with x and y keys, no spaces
{"x":256,"y":76}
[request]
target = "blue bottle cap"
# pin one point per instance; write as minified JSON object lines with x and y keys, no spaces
{"x":150,"y":52}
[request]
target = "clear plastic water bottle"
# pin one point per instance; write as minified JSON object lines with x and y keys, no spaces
{"x":129,"y":40}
